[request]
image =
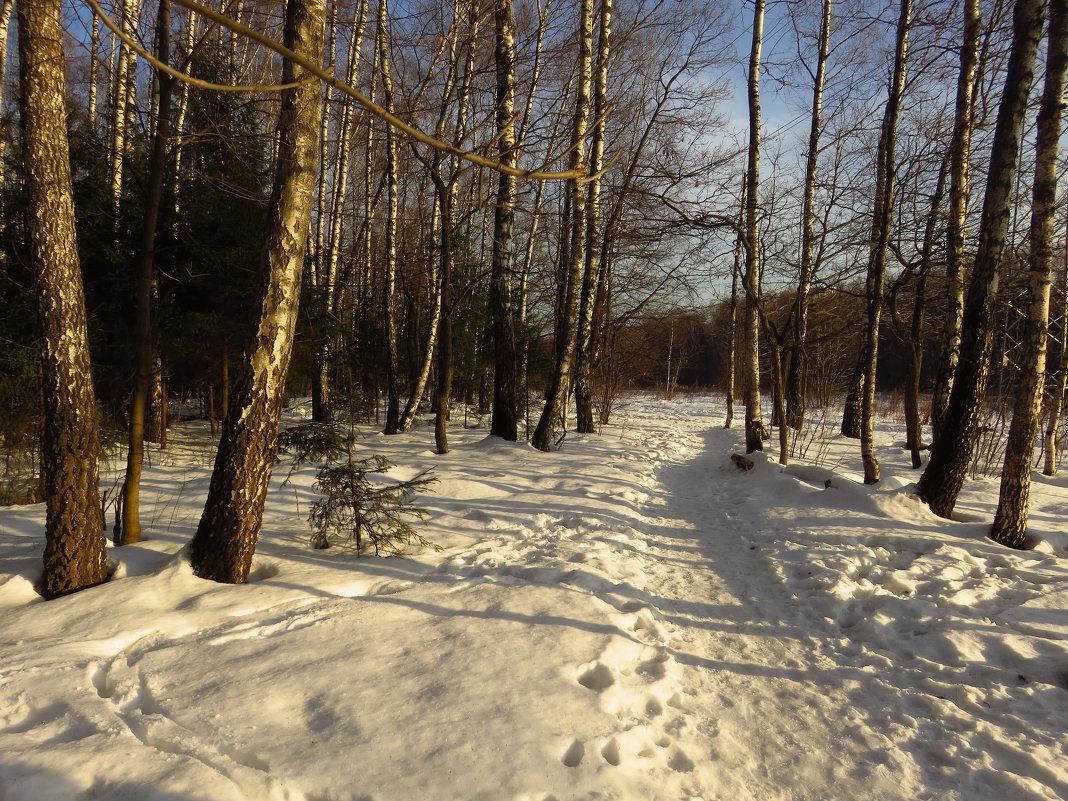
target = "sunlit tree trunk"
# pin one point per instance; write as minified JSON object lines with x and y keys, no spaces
{"x":94,"y":67}
{"x":1058,"y":374}
{"x":592,"y":273}
{"x":959,"y":196}
{"x":74,"y":555}
{"x":879,"y":240}
{"x":556,"y":397}
{"x":225,"y":540}
{"x":130,"y":530}
{"x":123,"y":99}
{"x":504,"y":420}
{"x":415,"y":395}
{"x":1010,"y":520}
{"x":732,"y":335}
{"x":755,"y":433}
{"x":952,"y":452}
{"x":392,"y":212}
{"x":797,"y":375}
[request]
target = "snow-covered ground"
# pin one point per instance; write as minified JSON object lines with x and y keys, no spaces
{"x":629,"y":618}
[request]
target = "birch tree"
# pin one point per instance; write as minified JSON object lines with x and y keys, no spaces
{"x":504,"y":422}
{"x":225,"y":539}
{"x":574,"y":246}
{"x":74,"y":555}
{"x":959,"y":197}
{"x":755,"y":433}
{"x":879,"y":239}
{"x":1010,"y":520}
{"x":952,"y":452}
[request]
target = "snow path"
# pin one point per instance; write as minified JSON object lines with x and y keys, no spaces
{"x":629,"y":619}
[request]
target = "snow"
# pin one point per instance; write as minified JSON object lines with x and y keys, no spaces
{"x":628,"y":618}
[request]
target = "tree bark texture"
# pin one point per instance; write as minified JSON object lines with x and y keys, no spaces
{"x":389,"y":286}
{"x":225,"y":539}
{"x":1010,"y":520}
{"x":959,"y":198}
{"x":567,"y":334}
{"x":74,"y":555}
{"x":504,"y":421}
{"x":1058,"y":379}
{"x":755,"y":433}
{"x":797,"y":376}
{"x":143,"y":341}
{"x":879,"y":240}
{"x":952,"y":452}
{"x":592,"y":287}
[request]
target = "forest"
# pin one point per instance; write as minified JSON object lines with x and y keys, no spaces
{"x":520,"y":210}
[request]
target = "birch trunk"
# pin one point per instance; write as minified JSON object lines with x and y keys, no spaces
{"x":879,"y":240}
{"x":797,"y":378}
{"x":392,"y":205}
{"x":123,"y":98}
{"x":225,"y":540}
{"x":952,"y":452}
{"x":1010,"y":520}
{"x":130,"y":530}
{"x":556,"y":398}
{"x":959,"y":198}
{"x":504,"y":422}
{"x":1059,"y":381}
{"x":755,"y":433}
{"x":591,"y":285}
{"x":732,"y":335}
{"x":74,"y":555}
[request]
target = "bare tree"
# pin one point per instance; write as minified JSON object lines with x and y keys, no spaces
{"x":505,"y":420}
{"x":755,"y":433}
{"x":959,"y":195}
{"x":225,"y":539}
{"x":880,"y":237}
{"x":575,"y":235}
{"x":1010,"y":520}
{"x":74,"y":554}
{"x":130,"y":529}
{"x":952,"y":452}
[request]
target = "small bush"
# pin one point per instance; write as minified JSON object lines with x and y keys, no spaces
{"x":353,"y":509}
{"x":358,"y":512}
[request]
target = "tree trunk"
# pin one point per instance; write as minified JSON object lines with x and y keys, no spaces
{"x":504,"y":422}
{"x":952,"y":452}
{"x":94,"y":69}
{"x":74,"y":555}
{"x":592,"y":276}
{"x":393,"y":209}
{"x":225,"y":539}
{"x":567,"y":334}
{"x":959,"y":197}
{"x":879,"y":241}
{"x":851,"y":412}
{"x":143,"y":340}
{"x":732,"y":335}
{"x":1010,"y":520}
{"x":446,"y":369}
{"x":755,"y":433}
{"x":124,"y":97}
{"x":1059,"y":378}
{"x":415,"y":396}
{"x":797,"y":377}
{"x":915,"y":335}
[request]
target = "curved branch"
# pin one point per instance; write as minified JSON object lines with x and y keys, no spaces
{"x":181,"y":76}
{"x":371,"y":106}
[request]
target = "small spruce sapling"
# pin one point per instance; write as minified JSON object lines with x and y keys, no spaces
{"x":354,"y":510}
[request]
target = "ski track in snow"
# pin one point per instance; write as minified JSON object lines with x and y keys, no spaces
{"x":726,"y":635}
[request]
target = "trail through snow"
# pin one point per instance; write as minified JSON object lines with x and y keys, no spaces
{"x":631,"y":618}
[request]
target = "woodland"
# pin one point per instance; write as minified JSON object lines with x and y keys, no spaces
{"x":518,"y":210}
